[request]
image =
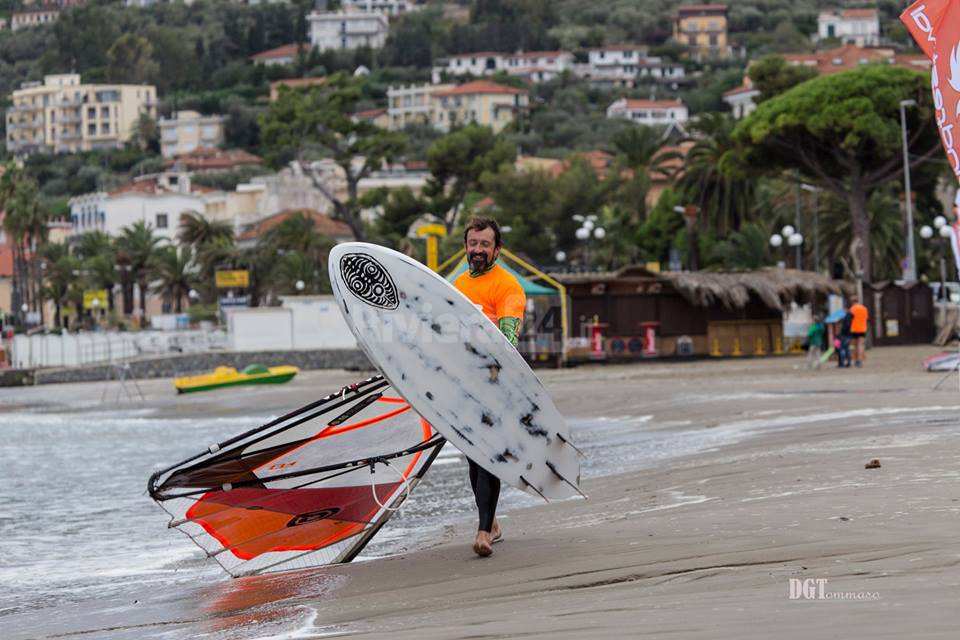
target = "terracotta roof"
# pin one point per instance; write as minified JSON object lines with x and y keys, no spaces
{"x":652,"y":104}
{"x":622,"y":47}
{"x":693,"y":8}
{"x":476,"y":54}
{"x":207,"y":159}
{"x":150,"y":186}
{"x":484,"y":203}
{"x":43,"y":9}
{"x":851,"y":56}
{"x":746,"y":87}
{"x":859,"y":13}
{"x":599,"y":160}
{"x":323,"y":223}
{"x":415,"y":165}
{"x":536,"y":54}
{"x":285,"y":51}
{"x":480,"y":86}
{"x":369,"y":114}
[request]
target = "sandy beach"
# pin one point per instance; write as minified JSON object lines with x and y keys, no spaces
{"x":701,"y":546}
{"x":705,"y":547}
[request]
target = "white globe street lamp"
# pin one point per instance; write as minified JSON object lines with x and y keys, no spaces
{"x":945,"y":231}
{"x":926,"y":232}
{"x":599,"y":233}
{"x":787,"y":231}
{"x":583,"y":233}
{"x":795,"y":240}
{"x":939,"y":222}
{"x":561,"y":256}
{"x":776,"y":240}
{"x":588,"y":224}
{"x":193,"y":295}
{"x":300,"y":284}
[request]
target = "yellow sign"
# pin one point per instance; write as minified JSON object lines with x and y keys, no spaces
{"x":432,"y":230}
{"x":95,"y":299}
{"x":232,"y":279}
{"x":653,"y":267}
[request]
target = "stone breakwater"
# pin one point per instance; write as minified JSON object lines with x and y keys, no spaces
{"x":188,"y":364}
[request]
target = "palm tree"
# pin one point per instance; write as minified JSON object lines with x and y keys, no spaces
{"x":745,"y":248}
{"x":296,"y":266}
{"x":173,"y":272}
{"x":26,"y":223}
{"x":711,"y":178}
{"x":98,"y":253}
{"x":61,"y":278}
{"x":139,"y":247}
{"x":197,"y":231}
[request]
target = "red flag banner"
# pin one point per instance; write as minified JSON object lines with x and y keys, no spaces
{"x":922,"y":19}
{"x":935,"y":25}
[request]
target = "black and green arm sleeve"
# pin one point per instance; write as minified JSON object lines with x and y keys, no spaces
{"x":510,"y":327}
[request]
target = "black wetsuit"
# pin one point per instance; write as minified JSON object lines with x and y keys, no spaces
{"x":486,"y":492}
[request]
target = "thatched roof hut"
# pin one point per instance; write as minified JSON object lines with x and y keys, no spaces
{"x":774,"y":286}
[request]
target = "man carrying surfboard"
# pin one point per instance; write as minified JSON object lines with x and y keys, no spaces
{"x":497,"y":293}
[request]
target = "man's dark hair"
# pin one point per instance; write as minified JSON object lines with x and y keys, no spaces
{"x":479,"y":224}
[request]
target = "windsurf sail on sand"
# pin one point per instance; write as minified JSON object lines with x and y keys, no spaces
{"x":307,"y":489}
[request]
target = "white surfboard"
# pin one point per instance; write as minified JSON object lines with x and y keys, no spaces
{"x":455,"y":368}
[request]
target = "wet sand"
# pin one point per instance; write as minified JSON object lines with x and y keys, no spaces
{"x":706,"y":547}
{"x":701,"y":547}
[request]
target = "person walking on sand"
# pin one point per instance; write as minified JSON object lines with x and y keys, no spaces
{"x":815,"y":342}
{"x":843,"y":341}
{"x":858,"y":330}
{"x":497,"y":293}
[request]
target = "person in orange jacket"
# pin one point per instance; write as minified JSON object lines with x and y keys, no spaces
{"x":858,"y":330}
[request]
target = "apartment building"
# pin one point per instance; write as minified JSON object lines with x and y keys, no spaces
{"x":628,"y":66}
{"x":536,"y":66}
{"x":481,"y":102}
{"x":742,"y":99}
{"x":342,"y":30}
{"x":158,"y":200}
{"x":702,"y":28}
{"x":649,"y":112}
{"x":413,"y":104}
{"x":852,"y":26}
{"x":188,"y":131}
{"x":34,"y":17}
{"x":63,"y":115}
{"x":386,"y":7}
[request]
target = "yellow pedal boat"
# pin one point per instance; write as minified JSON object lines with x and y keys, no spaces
{"x":230,"y":377}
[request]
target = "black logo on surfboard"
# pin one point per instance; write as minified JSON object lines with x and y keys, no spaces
{"x":368,"y":280}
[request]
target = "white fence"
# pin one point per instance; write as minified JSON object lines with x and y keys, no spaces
{"x":74,"y":349}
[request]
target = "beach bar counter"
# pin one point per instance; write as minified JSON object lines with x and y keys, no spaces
{"x":641,"y":313}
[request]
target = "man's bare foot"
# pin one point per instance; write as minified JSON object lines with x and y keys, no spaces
{"x":496,"y":534}
{"x":481,"y":544}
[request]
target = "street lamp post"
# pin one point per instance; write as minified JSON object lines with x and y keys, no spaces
{"x":910,"y":270}
{"x":588,"y":228}
{"x":816,"y":223}
{"x":943,"y":230}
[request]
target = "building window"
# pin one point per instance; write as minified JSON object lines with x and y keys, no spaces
{"x":104,"y":127}
{"x":92,"y":129}
{"x":104,"y":112}
{"x":713,"y":40}
{"x":161,"y":221}
{"x":91,"y":112}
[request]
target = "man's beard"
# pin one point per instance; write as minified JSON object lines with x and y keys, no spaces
{"x":478,"y":262}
